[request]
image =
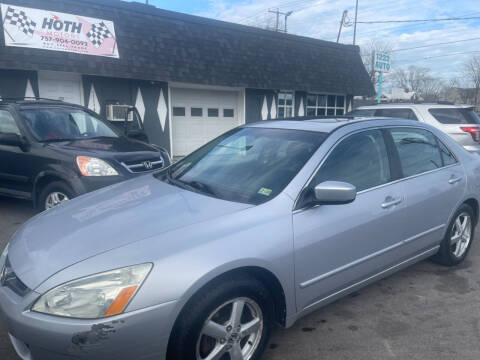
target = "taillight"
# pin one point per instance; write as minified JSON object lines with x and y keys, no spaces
{"x":473,"y":130}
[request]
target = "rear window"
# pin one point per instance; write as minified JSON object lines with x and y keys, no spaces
{"x":455,"y":115}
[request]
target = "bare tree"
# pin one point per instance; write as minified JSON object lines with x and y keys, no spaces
{"x":471,"y":72}
{"x":432,"y":89}
{"x":419,"y":80}
{"x":367,"y":53}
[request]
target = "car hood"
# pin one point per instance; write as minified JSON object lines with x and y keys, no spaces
{"x":101,"y":146}
{"x":105,"y":220}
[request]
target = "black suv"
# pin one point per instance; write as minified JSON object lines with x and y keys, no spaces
{"x":51,"y":151}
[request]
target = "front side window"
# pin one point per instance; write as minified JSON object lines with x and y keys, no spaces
{"x":362,"y":112}
{"x":8,"y":124}
{"x":455,"y":115}
{"x":401,"y":113}
{"x":285,"y":104}
{"x":62,"y":123}
{"x":247,"y":165}
{"x":325,"y":105}
{"x":417,"y":149}
{"x":360,"y":160}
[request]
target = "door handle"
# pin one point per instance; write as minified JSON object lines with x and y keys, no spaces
{"x":389,"y":202}
{"x":454,"y":180}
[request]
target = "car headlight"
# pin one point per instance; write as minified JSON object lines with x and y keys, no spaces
{"x":90,"y":166}
{"x":94,"y":296}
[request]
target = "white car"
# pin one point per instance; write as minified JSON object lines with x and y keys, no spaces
{"x":460,"y":122}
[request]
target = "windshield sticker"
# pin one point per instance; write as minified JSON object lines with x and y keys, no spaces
{"x":265,"y":191}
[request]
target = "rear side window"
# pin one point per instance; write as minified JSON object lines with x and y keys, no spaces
{"x":360,"y":160}
{"x":402,"y":113}
{"x":418,"y":150}
{"x":7,"y":123}
{"x":455,"y":115}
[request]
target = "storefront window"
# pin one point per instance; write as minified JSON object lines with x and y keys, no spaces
{"x":285,"y":104}
{"x":325,"y":105}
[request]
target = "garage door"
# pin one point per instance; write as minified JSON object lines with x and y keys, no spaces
{"x":198,"y":116}
{"x":60,"y":86}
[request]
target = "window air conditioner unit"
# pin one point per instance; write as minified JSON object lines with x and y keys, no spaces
{"x":118,"y":112}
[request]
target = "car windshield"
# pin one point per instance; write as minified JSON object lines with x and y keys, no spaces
{"x":455,"y":115}
{"x":62,"y":123}
{"x":248,"y":165}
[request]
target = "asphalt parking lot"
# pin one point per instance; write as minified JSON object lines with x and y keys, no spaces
{"x":424,"y":312}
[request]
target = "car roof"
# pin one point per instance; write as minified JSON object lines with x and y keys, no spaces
{"x":328,"y":125}
{"x":24,"y":102}
{"x":410,"y":105}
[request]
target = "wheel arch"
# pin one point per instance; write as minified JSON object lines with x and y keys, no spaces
{"x":43,"y":179}
{"x":267,"y":277}
{"x":473,"y":203}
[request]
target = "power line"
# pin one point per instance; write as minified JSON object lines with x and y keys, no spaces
{"x":415,"y":25}
{"x":439,"y":56}
{"x":436,"y":44}
{"x":418,"y":20}
{"x":261,"y":12}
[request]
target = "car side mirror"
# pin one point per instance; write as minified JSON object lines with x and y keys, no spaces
{"x":12,"y":139}
{"x":335,"y":193}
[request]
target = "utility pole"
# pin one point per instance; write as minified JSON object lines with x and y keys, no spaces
{"x":277,"y":12}
{"x":355,"y":24}
{"x":342,"y":22}
{"x":287,"y":14}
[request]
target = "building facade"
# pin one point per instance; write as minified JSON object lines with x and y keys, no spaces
{"x":191,"y":78}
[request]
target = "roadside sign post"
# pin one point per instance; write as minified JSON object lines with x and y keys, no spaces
{"x":382,"y":64}
{"x":379,"y":90}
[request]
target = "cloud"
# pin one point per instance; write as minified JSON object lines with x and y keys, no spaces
{"x":321,"y":18}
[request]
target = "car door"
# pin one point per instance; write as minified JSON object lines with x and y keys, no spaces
{"x":434,"y":183}
{"x":339,"y":245}
{"x":14,"y":165}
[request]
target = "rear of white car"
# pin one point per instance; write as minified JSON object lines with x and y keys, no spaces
{"x":461,"y":122}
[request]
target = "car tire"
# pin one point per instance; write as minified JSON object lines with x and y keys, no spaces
{"x":57,"y":189}
{"x":189,"y":341}
{"x":457,"y":241}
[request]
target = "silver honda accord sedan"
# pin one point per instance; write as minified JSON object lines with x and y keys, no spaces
{"x":260,"y":226}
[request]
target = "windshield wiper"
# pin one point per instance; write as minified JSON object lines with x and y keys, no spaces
{"x":58,"y":140}
{"x":201,"y":186}
{"x":195,"y":186}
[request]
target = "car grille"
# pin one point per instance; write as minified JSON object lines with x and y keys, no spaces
{"x":9,"y":279}
{"x":145,"y":165}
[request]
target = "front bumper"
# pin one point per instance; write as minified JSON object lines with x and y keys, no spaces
{"x":141,"y":334}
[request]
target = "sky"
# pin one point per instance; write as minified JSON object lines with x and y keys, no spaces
{"x":320,"y":19}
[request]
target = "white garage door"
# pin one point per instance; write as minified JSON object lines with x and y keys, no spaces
{"x":60,"y":86}
{"x":198,"y":116}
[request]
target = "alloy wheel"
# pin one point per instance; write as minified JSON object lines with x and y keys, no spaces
{"x":461,"y":235}
{"x":55,"y":198}
{"x":232,"y":331}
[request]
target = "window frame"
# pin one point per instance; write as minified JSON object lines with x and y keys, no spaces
{"x":326,"y":107}
{"x":285,"y":106}
{"x":396,"y":172}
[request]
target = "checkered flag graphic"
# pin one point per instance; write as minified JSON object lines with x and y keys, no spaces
{"x":98,"y":33}
{"x":20,"y":20}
